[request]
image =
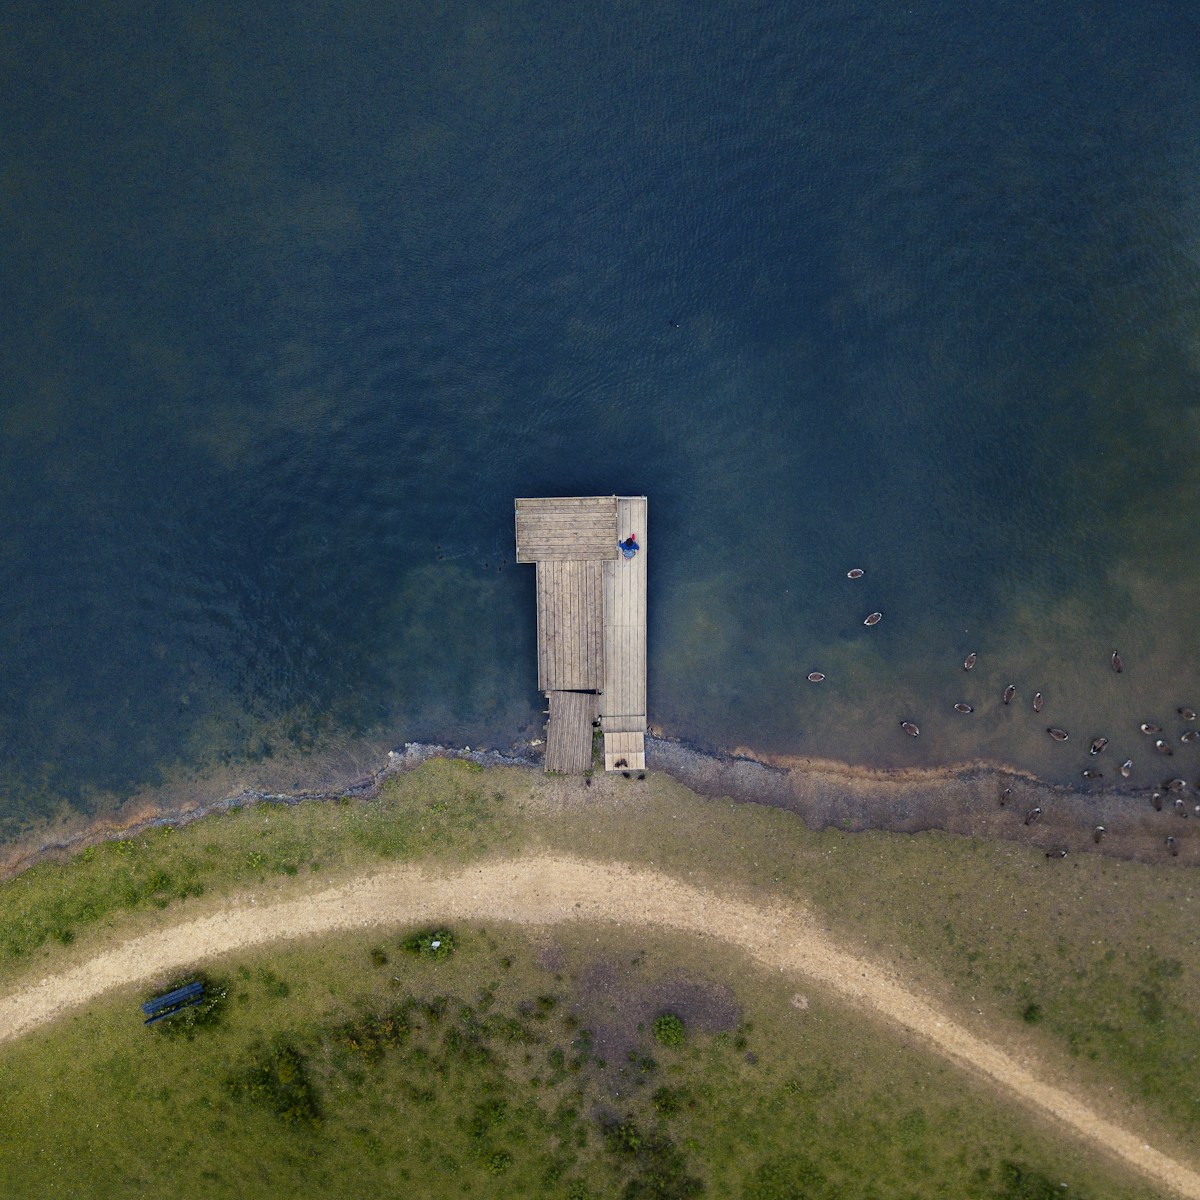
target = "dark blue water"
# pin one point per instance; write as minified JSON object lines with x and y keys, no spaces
{"x":296,"y":300}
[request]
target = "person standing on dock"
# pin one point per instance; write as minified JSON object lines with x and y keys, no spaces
{"x":629,"y":546}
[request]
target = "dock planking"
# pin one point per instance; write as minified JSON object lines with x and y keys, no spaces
{"x":591,"y":623}
{"x":623,"y":699}
{"x":569,"y":732}
{"x":570,"y":608}
{"x":575,"y":528}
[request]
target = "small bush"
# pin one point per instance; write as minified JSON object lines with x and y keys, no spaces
{"x":1032,"y":1013}
{"x":435,"y":943}
{"x":277,"y":1079}
{"x":499,"y":1162}
{"x":668,"y":1101}
{"x":669,"y":1030}
{"x":1021,"y":1182}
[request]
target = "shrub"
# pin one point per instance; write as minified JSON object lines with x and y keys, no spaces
{"x":435,"y":944}
{"x":668,"y":1101}
{"x":1020,"y":1182}
{"x":277,"y":1079}
{"x":669,"y":1030}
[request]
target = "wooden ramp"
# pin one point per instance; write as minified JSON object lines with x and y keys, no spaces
{"x":569,"y":732}
{"x":591,"y":624}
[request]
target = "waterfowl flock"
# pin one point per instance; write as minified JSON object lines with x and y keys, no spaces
{"x":1096,"y":746}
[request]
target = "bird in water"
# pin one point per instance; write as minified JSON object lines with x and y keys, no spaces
{"x":1150,"y":727}
{"x":1037,"y":702}
{"x":1188,"y":714}
{"x":1032,"y":815}
{"x":1097,"y":745}
{"x":856,"y":573}
{"x":1175,"y":785}
{"x":910,"y":728}
{"x":1126,"y":767}
{"x":963,"y":708}
{"x":1098,"y":833}
{"x":1162,"y":746}
{"x":1156,"y":800}
{"x":815,"y":677}
{"x":1093,"y":774}
{"x":969,"y":661}
{"x":1117,"y":664}
{"x":1009,"y":693}
{"x":1189,"y":735}
{"x":1059,"y":735}
{"x":873,"y":619}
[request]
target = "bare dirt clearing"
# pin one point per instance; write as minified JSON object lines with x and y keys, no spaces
{"x":546,"y":890}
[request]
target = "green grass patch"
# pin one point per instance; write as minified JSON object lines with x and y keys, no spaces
{"x":455,"y":1076}
{"x":446,"y":811}
{"x":1090,"y":962}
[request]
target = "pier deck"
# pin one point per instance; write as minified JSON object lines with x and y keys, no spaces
{"x":623,"y":698}
{"x":591,"y":624}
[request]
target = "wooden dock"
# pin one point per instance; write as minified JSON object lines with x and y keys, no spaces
{"x":591,"y":625}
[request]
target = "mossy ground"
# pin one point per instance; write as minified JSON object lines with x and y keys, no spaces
{"x":1089,"y":963}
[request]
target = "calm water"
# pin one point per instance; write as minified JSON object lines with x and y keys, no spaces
{"x":297,"y":300}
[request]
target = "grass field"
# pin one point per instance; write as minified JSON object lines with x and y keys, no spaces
{"x":517,"y":1066}
{"x":1090,"y":964}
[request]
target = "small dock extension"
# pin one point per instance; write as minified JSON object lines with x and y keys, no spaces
{"x":591,"y":624}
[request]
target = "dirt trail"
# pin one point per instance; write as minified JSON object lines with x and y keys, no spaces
{"x":548,"y":890}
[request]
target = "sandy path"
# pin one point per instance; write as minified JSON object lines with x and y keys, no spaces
{"x":547,"y":890}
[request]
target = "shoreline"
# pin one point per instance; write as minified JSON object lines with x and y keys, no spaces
{"x":964,"y":800}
